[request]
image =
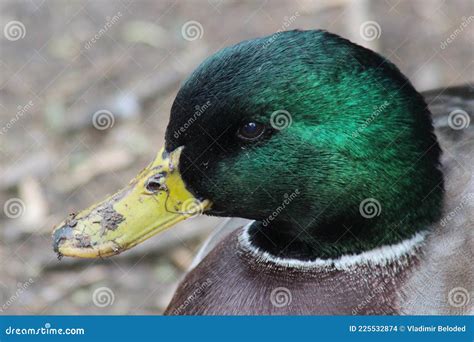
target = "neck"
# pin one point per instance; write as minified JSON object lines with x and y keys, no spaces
{"x":381,"y":256}
{"x":338,"y":237}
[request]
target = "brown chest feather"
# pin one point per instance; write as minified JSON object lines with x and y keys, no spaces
{"x":230,"y":281}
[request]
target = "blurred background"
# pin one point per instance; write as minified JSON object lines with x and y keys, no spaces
{"x":85,"y":93}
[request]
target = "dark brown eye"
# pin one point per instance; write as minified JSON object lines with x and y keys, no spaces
{"x":250,"y":130}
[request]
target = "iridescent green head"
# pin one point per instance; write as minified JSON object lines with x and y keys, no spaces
{"x":324,"y":142}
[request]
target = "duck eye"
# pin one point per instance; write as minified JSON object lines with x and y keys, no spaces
{"x":250,"y":130}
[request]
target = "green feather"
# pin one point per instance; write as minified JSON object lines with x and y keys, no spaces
{"x":358,"y":130}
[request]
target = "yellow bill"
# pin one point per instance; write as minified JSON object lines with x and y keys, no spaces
{"x":153,"y":201}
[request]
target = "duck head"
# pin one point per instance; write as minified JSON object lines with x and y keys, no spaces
{"x":323,"y":142}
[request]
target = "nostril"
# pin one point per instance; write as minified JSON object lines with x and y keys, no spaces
{"x":156,"y":183}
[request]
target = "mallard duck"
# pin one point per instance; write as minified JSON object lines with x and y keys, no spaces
{"x":331,"y":153}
